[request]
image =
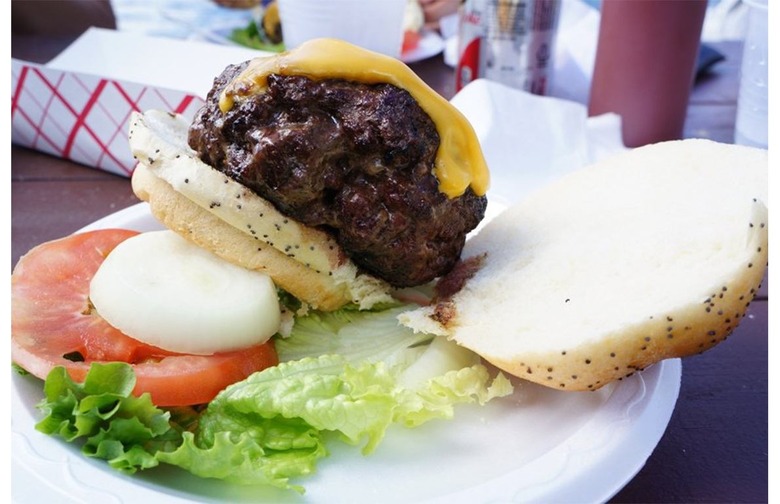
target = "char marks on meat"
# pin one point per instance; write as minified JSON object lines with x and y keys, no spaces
{"x":352,"y":159}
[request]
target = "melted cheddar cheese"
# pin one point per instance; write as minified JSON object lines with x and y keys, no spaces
{"x":459,"y":160}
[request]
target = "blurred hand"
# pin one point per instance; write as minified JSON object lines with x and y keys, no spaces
{"x":434,"y":10}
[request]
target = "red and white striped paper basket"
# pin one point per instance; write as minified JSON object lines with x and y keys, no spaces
{"x":83,"y":117}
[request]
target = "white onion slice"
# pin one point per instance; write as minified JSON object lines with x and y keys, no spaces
{"x":159,"y":288}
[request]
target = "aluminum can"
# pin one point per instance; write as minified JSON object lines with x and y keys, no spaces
{"x":507,"y":41}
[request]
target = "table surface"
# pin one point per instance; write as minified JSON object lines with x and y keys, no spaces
{"x":715,"y":446}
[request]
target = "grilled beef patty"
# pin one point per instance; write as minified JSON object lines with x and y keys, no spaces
{"x":349,"y":158}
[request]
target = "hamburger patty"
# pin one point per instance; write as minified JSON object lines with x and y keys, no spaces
{"x":352,"y":159}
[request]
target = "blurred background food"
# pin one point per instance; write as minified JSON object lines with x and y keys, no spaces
{"x":271,"y":24}
{"x":265,"y":30}
{"x":414,"y":19}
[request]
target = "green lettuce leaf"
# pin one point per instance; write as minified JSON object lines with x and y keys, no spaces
{"x":355,"y":335}
{"x":114,"y":425}
{"x":272,"y":425}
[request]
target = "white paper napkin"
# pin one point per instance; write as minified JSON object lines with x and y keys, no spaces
{"x":530,"y":140}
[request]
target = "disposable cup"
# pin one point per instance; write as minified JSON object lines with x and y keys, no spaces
{"x":376,"y":25}
{"x":645,"y":66}
{"x":751,"y":126}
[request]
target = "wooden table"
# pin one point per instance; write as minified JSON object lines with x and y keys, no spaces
{"x":715,"y":447}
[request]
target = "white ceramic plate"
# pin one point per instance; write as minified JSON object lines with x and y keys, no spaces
{"x":430,"y":45}
{"x":539,"y":445}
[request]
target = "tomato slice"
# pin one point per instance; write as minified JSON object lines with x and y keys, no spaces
{"x":53,"y":324}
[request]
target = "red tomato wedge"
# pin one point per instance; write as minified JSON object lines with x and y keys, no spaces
{"x":53,"y":324}
{"x":410,"y":41}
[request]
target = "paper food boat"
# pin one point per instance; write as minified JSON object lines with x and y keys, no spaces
{"x":78,"y":105}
